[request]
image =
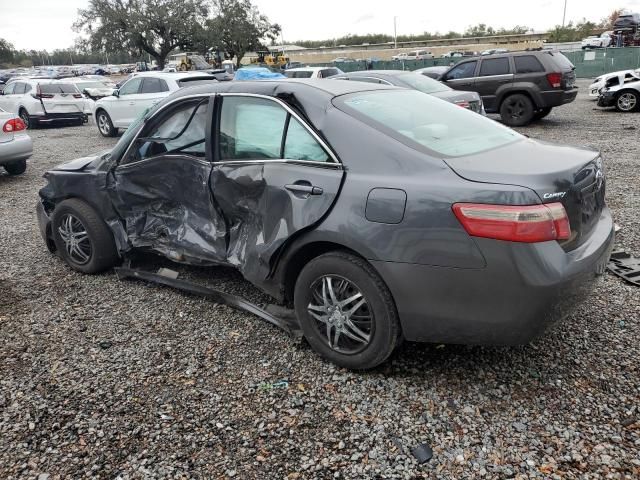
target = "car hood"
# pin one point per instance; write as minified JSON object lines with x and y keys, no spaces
{"x":79,"y":164}
{"x":457,"y":96}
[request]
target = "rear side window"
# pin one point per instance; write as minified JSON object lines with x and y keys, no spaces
{"x":528,"y":64}
{"x":154,"y":85}
{"x":494,"y":66}
{"x":562,"y":61}
{"x":53,"y":88}
{"x":329,"y":72}
{"x":301,"y":145}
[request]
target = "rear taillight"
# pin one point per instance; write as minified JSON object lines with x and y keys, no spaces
{"x":514,"y":223}
{"x":14,"y":125}
{"x":77,"y":95}
{"x":39,"y":95}
{"x":555,"y":79}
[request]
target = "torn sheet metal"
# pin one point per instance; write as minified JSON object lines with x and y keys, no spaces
{"x":625,"y":266}
{"x":288,"y":325}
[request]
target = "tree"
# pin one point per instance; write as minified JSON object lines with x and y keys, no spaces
{"x":237,"y":28}
{"x":156,"y":27}
{"x":6,"y":52}
{"x":607,"y":22}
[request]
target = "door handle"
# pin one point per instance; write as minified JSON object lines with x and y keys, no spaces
{"x":302,"y":188}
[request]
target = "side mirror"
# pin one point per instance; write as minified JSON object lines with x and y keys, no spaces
{"x":116,"y":93}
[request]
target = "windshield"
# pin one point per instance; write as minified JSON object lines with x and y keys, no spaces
{"x":422,"y":83}
{"x":299,"y":74}
{"x":419,"y":120}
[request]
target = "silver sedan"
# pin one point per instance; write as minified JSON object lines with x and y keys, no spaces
{"x":15,"y":145}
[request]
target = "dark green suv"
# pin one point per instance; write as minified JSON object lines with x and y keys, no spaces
{"x":521,"y":86}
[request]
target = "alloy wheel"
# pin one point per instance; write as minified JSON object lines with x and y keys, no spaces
{"x":341,"y":313}
{"x":627,"y":102}
{"x":76,"y":239}
{"x":103,"y":124}
{"x":515,"y":108}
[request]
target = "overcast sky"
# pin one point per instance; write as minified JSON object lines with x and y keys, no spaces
{"x":46,"y":24}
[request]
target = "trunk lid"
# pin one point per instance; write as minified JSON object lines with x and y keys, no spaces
{"x":61,"y":98}
{"x":5,"y":136}
{"x":569,"y":175}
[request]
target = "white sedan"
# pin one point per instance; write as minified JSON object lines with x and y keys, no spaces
{"x":15,"y":144}
{"x":600,"y":82}
{"x":138,"y":94}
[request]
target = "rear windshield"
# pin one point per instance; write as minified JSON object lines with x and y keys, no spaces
{"x":299,"y":74}
{"x":192,"y":82}
{"x":84,"y":85}
{"x":422,"y":83}
{"x":425,"y":122}
{"x":563,"y":61}
{"x":58,"y":88}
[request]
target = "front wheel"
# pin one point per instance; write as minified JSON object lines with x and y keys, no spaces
{"x":517,"y":110}
{"x":16,"y":168}
{"x":82,"y":238}
{"x":627,"y":101}
{"x":105,"y":125}
{"x":346,"y":311}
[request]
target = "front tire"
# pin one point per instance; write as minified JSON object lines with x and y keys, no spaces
{"x":16,"y":168}
{"x":82,"y":238}
{"x":627,"y":101}
{"x":105,"y":125}
{"x":346,"y":311}
{"x":517,"y":110}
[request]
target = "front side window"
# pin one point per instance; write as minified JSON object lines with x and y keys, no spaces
{"x":9,"y":89}
{"x":464,"y":70}
{"x":254,"y":129}
{"x":181,"y":132}
{"x":424,"y":122}
{"x":494,"y":66}
{"x":131,"y":87}
{"x":329,"y":72}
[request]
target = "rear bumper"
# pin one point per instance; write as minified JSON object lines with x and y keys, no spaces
{"x":555,"y":98}
{"x":523,"y":289}
{"x":20,"y":148}
{"x":58,"y":117}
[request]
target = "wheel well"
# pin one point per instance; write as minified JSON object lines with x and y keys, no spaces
{"x":303,"y":256}
{"x":513,"y":92}
{"x":627,"y":90}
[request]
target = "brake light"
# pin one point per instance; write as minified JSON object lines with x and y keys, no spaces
{"x":463,"y":104}
{"x":14,"y":125}
{"x":77,"y":95}
{"x":555,"y":80}
{"x":514,"y":223}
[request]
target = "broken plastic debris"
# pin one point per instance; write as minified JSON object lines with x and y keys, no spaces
{"x":168,"y":273}
{"x":422,"y":452}
{"x":625,"y":266}
{"x":616,"y":227}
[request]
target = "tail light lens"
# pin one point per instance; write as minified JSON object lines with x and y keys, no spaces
{"x":514,"y":223}
{"x":77,"y":95}
{"x":555,"y":80}
{"x":14,"y":125}
{"x":463,"y":104}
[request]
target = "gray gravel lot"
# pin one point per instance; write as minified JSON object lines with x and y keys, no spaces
{"x":108,"y":379}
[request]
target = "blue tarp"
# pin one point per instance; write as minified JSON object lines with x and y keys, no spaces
{"x":258,"y":73}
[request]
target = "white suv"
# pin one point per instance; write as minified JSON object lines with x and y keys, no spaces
{"x":138,"y":94}
{"x":312,"y":72}
{"x":39,"y":101}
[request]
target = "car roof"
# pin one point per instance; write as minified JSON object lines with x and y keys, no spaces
{"x":368,"y":73}
{"x":177,"y":76}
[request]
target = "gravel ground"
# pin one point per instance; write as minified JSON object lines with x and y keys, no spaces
{"x":108,"y":379}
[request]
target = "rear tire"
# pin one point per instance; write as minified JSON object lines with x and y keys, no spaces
{"x":627,"y":101}
{"x":24,"y":116}
{"x":82,"y":238}
{"x":357,"y":339}
{"x":16,"y":168}
{"x":543,"y":112}
{"x":105,"y":125}
{"x":517,"y":110}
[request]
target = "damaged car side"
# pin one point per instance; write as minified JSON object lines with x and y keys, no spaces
{"x":379,"y":213}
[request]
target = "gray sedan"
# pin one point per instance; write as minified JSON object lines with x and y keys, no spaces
{"x":15,"y":144}
{"x":416,"y":81}
{"x":377,"y":213}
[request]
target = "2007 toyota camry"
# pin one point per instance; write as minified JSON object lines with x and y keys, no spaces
{"x":378,"y":213}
